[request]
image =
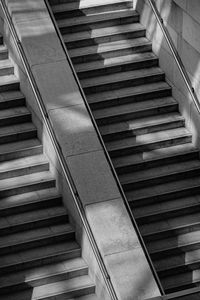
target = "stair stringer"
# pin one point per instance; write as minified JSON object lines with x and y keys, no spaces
{"x":111,"y":225}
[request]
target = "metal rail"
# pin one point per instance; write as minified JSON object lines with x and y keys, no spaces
{"x":106,"y":152}
{"x":58,"y":150}
{"x":175,"y":54}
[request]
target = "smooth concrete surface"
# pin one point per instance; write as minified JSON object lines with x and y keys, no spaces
{"x":98,"y":191}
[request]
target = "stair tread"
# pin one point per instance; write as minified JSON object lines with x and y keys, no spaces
{"x":3,"y":48}
{"x":17,"y":128}
{"x":4,"y":63}
{"x":81,"y":20}
{"x":133,"y":107}
{"x":56,"y":8}
{"x":114,"y":61}
{"x":152,"y":155}
{"x":120,"y":76}
{"x":21,"y":110}
{"x":49,"y":270}
{"x":28,"y":198}
{"x":160,"y":171}
{"x":16,"y":146}
{"x":61,"y":287}
{"x":10,"y":95}
{"x":182,"y":279}
{"x":123,"y":92}
{"x":25,"y":180}
{"x":107,"y":47}
{"x":147,"y":138}
{"x":170,"y":224}
{"x":102,"y":32}
{"x":38,"y":253}
{"x":33,"y":216}
{"x":162,"y":189}
{"x":134,"y":124}
{"x":14,"y":239}
{"x":8,"y":79}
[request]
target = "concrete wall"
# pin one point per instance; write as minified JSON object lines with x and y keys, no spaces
{"x":182,"y":18}
{"x":106,"y":213}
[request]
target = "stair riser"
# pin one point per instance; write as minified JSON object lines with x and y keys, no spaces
{"x":12,"y":103}
{"x":3,"y":55}
{"x":99,"y":24}
{"x":165,"y":197}
{"x":123,"y":83}
{"x":28,"y":188}
{"x":118,"y":68}
{"x":30,"y":206}
{"x":82,"y":291}
{"x":18,"y":136}
{"x":41,"y":261}
{"x":15,"y":120}
{"x":9,"y":70}
{"x":34,"y":225}
{"x":136,"y":115}
{"x":21,"y":153}
{"x":161,"y":179}
{"x":108,"y":54}
{"x":130,"y":99}
{"x":92,"y":10}
{"x":140,"y":131}
{"x":105,"y":39}
{"x":9,"y":87}
{"x":26,"y":245}
{"x":170,"y":233}
{"x":182,"y":288}
{"x":1,"y":40}
{"x":42,"y":281}
{"x":24,"y":171}
{"x":150,"y":146}
{"x":157,"y":162}
{"x":178,"y":270}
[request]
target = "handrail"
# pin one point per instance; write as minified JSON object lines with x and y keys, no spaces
{"x":59,"y":153}
{"x":175,"y":54}
{"x":106,"y":152}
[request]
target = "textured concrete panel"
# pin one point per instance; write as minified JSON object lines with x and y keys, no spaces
{"x":74,"y":130}
{"x":193,"y":9}
{"x":112,"y":226}
{"x":181,"y":3}
{"x":191,"y":32}
{"x":92,"y":177}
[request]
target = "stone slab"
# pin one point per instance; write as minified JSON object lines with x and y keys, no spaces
{"x":74,"y":130}
{"x":112,"y":226}
{"x":57,"y":85}
{"x":93,"y":177}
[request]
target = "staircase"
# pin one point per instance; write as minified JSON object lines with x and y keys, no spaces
{"x":145,"y":135}
{"x":39,"y":255}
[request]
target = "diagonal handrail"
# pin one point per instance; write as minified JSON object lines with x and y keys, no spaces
{"x":106,"y":152}
{"x":58,"y":150}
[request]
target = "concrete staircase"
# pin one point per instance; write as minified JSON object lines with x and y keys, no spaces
{"x":152,"y":151}
{"x":39,"y":255}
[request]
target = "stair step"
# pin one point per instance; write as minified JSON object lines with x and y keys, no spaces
{"x":6,"y":67}
{"x":32,"y":220}
{"x":11,"y":99}
{"x":164,"y":192}
{"x":14,"y":115}
{"x":155,"y":158}
{"x":140,"y":126}
{"x":46,"y":274}
{"x":39,"y":256}
{"x":1,"y":39}
{"x":26,"y":183}
{"x":20,"y":149}
{"x":122,"y":79}
{"x":9,"y":134}
{"x":160,"y":175}
{"x":116,"y":64}
{"x":171,"y":226}
{"x":3,"y":52}
{"x":136,"y":110}
{"x":129,"y":95}
{"x":88,"y":7}
{"x":8,"y":82}
{"x":148,"y":142}
{"x":29,"y":201}
{"x":103,"y":35}
{"x":81,"y":23}
{"x":30,"y":239}
{"x":174,"y":245}
{"x":110,"y":49}
{"x":23,"y":166}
